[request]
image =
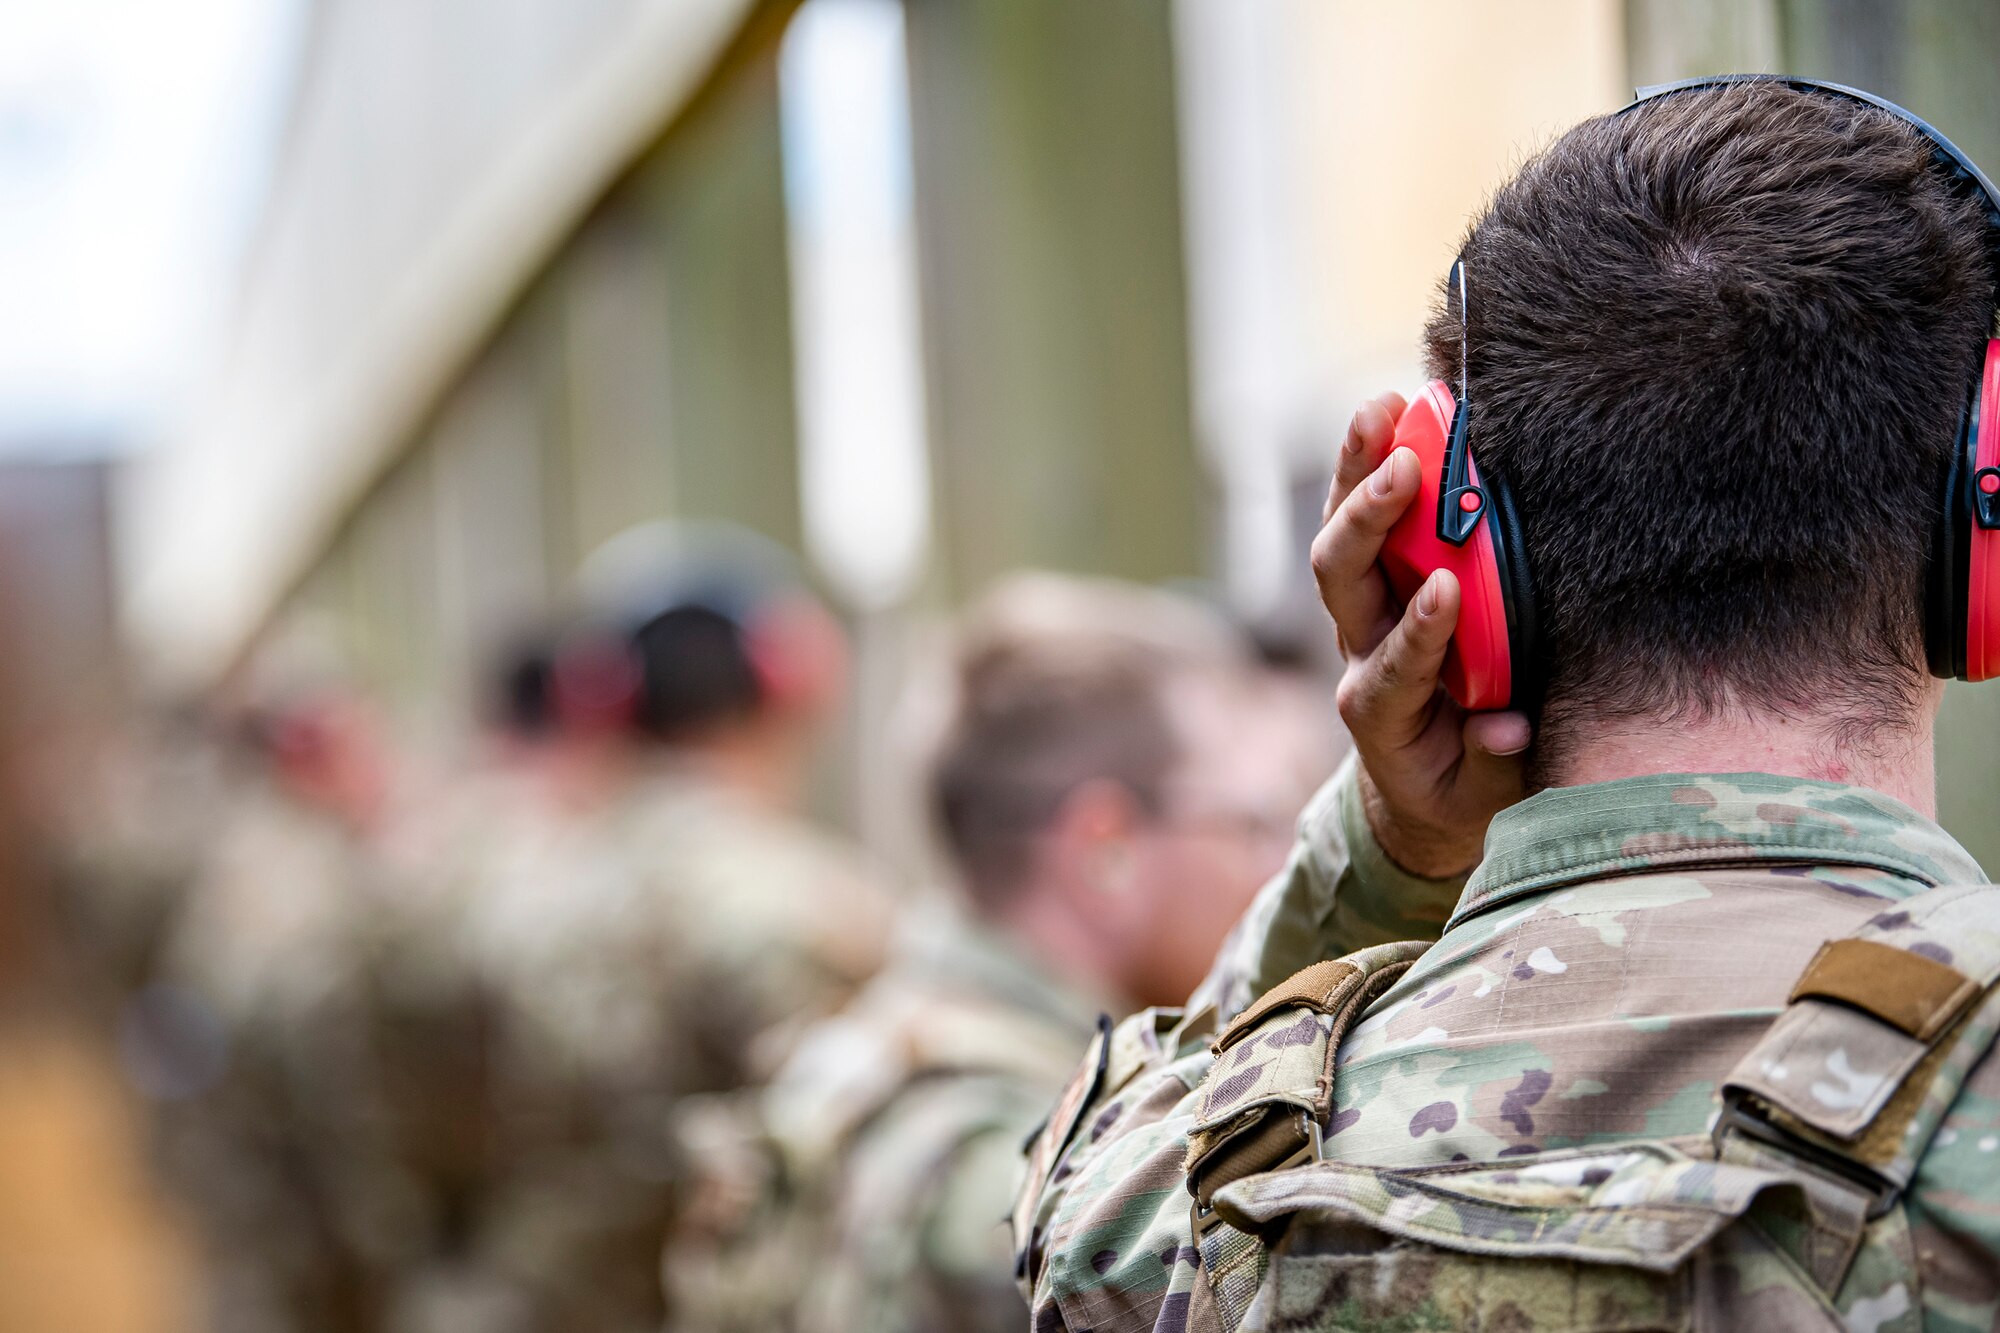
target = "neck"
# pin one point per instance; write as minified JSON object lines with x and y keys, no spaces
{"x":1043,"y":927}
{"x":1897,"y":762}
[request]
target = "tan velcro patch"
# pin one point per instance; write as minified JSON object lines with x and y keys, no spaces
{"x":1314,"y":987}
{"x":1909,"y":992}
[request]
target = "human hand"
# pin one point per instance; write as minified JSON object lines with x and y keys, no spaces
{"x":1432,"y":775}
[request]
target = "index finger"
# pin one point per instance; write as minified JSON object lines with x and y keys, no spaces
{"x":1369,"y":435}
{"x":1351,"y":584}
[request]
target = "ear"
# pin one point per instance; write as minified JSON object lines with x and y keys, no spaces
{"x":799,"y":654}
{"x":1093,"y":836}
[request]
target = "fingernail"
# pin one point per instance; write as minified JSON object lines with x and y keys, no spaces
{"x":1384,"y":478}
{"x":1427,"y":597}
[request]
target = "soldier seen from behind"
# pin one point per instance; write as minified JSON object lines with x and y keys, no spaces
{"x":250,"y":1035}
{"x":1705,"y":1038}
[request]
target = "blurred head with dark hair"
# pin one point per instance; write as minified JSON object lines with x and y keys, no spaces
{"x":700,"y":640}
{"x":1116,"y":777}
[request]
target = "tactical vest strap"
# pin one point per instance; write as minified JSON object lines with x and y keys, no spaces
{"x":1271,"y":1088}
{"x":1882,"y":1030}
{"x":1047,"y":1142}
{"x":1320,"y":988}
{"x":1916,"y":995}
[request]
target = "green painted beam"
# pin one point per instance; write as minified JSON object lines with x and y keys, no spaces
{"x":1048,"y":204}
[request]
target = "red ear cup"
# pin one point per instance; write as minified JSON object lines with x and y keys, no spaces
{"x":1479,"y":669}
{"x":1982,"y":584}
{"x":596,"y":682}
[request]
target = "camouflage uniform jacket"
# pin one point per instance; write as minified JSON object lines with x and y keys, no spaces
{"x":893,"y":1138}
{"x":1616,"y":952}
{"x":673,"y":943}
{"x":268,"y":1108}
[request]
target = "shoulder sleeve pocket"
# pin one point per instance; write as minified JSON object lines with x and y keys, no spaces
{"x":1046,"y":1145}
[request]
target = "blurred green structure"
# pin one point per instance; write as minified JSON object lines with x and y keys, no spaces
{"x":648,"y":369}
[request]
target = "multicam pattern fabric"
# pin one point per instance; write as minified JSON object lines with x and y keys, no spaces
{"x":680,"y":929}
{"x":1273,"y":1082}
{"x":1620,"y":950}
{"x":444,"y":1061}
{"x":1837,"y":1071}
{"x":676,"y":942}
{"x":1568,"y":1241}
{"x":893,"y":1136}
{"x":268,"y":1105}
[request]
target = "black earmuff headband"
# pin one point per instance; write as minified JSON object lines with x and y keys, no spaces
{"x":1948,"y":155}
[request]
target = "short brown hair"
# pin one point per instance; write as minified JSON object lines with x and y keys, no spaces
{"x":1719,"y":346}
{"x":1058,"y":681}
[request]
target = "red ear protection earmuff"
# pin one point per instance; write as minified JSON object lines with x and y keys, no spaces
{"x":1962,"y":596}
{"x":1465,"y":521}
{"x":1982,"y":600}
{"x":1483,"y":669}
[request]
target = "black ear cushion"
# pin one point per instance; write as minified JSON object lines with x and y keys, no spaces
{"x":1948,"y":569}
{"x":1517,"y":588}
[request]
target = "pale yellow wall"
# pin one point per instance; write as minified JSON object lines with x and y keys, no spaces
{"x":1409,"y":114}
{"x":1334,"y":151}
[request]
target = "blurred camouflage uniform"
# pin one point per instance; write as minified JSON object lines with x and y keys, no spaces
{"x":1613,"y":961}
{"x":654,"y":926}
{"x":449,"y":1067}
{"x":1100,"y":750}
{"x":673,"y":943}
{"x":313,"y":1039}
{"x":894,"y":1141}
{"x":135,"y":831}
{"x":252,"y":1044}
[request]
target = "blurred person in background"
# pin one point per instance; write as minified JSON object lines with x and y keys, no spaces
{"x":1106,"y":750}
{"x":665,"y":928}
{"x":250,"y":1035}
{"x":433,"y":1009}
{"x":129,"y":832}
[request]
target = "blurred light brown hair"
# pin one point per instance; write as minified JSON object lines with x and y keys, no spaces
{"x":1057,"y":681}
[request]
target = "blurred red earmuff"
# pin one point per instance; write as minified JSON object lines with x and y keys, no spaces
{"x":595,"y":683}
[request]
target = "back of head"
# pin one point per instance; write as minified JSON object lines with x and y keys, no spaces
{"x":1719,"y":345}
{"x":695,"y":672}
{"x":691,"y":618}
{"x":1057,"y":682}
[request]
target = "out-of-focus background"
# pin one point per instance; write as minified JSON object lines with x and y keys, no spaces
{"x":336,"y":336}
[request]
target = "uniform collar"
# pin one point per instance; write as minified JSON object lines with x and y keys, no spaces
{"x":1685,"y":820}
